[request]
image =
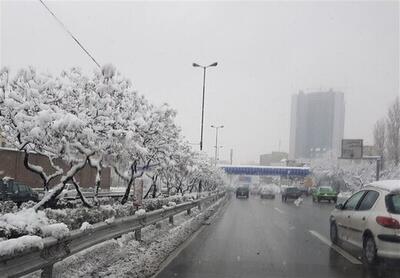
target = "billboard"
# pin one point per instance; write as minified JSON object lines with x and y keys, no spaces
{"x":352,"y":148}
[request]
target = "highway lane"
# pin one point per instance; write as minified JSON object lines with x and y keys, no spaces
{"x":268,"y":238}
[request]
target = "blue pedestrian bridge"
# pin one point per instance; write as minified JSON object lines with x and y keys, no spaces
{"x":265,"y":170}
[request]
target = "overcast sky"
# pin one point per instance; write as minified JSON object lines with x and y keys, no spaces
{"x":266,"y":51}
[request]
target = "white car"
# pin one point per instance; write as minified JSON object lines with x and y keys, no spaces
{"x":370,"y":220}
{"x":267,"y":191}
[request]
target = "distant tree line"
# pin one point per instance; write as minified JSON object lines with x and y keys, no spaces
{"x":387,"y":135}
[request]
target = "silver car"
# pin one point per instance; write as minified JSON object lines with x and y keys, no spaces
{"x":370,"y":220}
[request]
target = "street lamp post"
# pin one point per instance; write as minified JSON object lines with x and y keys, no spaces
{"x":216,"y":141}
{"x":219,"y":148}
{"x":202,"y":105}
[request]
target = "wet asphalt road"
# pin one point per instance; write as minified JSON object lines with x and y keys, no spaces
{"x":268,"y":238}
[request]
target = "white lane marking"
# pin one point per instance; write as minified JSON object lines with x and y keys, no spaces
{"x":342,"y":252}
{"x":279,"y":210}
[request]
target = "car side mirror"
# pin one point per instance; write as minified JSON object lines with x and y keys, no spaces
{"x":339,"y":206}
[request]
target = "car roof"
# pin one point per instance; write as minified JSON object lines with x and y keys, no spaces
{"x":388,"y":185}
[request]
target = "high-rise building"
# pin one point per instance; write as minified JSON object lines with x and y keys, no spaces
{"x":316,"y":124}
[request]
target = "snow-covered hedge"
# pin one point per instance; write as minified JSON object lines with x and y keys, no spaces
{"x":16,"y":222}
{"x":30,"y":222}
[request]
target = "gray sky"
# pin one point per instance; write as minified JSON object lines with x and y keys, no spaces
{"x":266,"y":52}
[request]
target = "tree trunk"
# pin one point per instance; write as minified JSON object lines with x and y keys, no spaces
{"x":78,"y":190}
{"x":128,"y":190}
{"x":155,"y":186}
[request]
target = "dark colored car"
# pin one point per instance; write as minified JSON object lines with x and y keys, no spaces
{"x":242,"y":191}
{"x":290,"y":192}
{"x":16,"y":192}
{"x":304,"y":190}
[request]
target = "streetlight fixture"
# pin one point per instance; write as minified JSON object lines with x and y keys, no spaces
{"x":202,"y":105}
{"x":216,"y":141}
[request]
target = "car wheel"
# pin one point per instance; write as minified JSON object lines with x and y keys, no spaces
{"x":334,"y":233}
{"x":369,"y":250}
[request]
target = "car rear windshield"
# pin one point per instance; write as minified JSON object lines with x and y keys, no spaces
{"x":393,"y":203}
{"x":292,"y":189}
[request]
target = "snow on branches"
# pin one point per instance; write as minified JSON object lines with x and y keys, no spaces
{"x":100,"y":121}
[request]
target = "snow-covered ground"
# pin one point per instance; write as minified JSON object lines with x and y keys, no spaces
{"x":126,"y":257}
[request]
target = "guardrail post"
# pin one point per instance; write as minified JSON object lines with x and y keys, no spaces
{"x":138,"y":234}
{"x":188,"y":211}
{"x":47,"y":272}
{"x":171,"y":220}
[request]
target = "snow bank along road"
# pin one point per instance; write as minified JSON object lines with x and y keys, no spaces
{"x":126,"y":257}
{"x":268,"y":238}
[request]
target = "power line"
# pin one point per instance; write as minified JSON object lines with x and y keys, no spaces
{"x":66,"y":29}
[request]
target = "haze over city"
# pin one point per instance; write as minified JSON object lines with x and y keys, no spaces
{"x":266,"y":51}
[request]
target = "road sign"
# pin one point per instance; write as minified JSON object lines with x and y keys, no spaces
{"x":352,"y":148}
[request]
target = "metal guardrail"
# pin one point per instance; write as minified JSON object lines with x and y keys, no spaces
{"x":100,"y":195}
{"x":55,"y":250}
{"x":110,"y":194}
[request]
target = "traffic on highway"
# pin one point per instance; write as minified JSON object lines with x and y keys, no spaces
{"x":261,"y":237}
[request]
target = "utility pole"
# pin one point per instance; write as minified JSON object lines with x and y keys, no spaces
{"x":216,"y":141}
{"x":202,"y":103}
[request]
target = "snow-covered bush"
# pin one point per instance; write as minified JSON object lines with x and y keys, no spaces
{"x":16,"y":245}
{"x":86,"y":226}
{"x":74,"y":218}
{"x":30,"y":222}
{"x":140,"y":212}
{"x":7,"y":207}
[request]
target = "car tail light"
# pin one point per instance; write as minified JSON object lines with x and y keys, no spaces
{"x":388,"y":222}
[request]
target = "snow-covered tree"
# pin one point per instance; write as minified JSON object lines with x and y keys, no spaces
{"x":100,"y":121}
{"x":380,"y":139}
{"x":393,"y":131}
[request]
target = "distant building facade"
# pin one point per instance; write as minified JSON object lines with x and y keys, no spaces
{"x":316,"y":124}
{"x":273,"y":159}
